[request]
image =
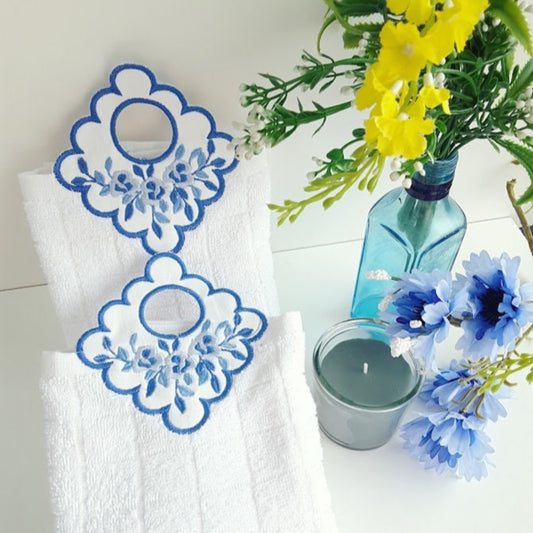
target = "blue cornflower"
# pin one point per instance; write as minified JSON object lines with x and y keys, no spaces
{"x":449,"y":441}
{"x":422,"y":302}
{"x":495,"y":307}
{"x":455,"y":389}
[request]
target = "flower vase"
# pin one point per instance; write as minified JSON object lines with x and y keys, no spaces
{"x":420,"y":227}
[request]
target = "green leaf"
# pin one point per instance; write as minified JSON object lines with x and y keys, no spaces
{"x":529,"y":377}
{"x":522,"y":81}
{"x":513,"y":17}
{"x":358,"y":8}
{"x":524,"y":156}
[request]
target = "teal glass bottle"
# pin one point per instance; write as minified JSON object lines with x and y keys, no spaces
{"x":417,"y":228}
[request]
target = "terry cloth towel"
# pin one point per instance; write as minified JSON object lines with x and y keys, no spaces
{"x":86,"y":260}
{"x":254,"y":467}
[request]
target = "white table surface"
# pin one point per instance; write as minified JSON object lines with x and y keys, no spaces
{"x":373,"y":491}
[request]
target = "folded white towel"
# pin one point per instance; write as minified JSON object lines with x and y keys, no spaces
{"x":255,"y":466}
{"x":86,"y":261}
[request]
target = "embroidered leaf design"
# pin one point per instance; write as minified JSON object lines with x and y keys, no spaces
{"x":139,"y":204}
{"x":106,"y":343}
{"x":187,"y":378}
{"x":218,"y":162}
{"x":138,"y":171}
{"x":210,"y":146}
{"x":179,"y":403}
{"x":175,"y":344}
{"x":150,"y":388}
{"x":203,"y":374}
{"x":189,"y":212}
{"x":79,"y":181}
{"x":185,"y":391}
{"x":215,"y":384}
{"x":245,"y":332}
{"x":163,"y":379}
{"x":156,"y":228}
{"x":101,"y":358}
{"x":161,"y":218}
{"x":163,"y":345}
{"x":150,"y":171}
{"x":122,"y":354}
{"x":108,"y":165}
{"x":99,"y":177}
{"x":163,"y":205}
{"x":128,"y":213}
{"x":180,"y":151}
{"x":133,"y":341}
{"x":82,"y":165}
{"x":238,"y":355}
{"x":104,"y":191}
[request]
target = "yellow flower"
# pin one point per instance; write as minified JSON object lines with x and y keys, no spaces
{"x":402,"y":53}
{"x":416,"y":11}
{"x":432,"y":97}
{"x":398,"y":133}
{"x":377,"y":81}
{"x":453,"y":27}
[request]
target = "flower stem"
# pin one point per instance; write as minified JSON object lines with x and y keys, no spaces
{"x":526,"y":228}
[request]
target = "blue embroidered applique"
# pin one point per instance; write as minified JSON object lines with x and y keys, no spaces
{"x":175,"y":370}
{"x":154,"y":195}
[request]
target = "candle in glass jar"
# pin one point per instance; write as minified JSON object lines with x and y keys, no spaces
{"x":361,"y":391}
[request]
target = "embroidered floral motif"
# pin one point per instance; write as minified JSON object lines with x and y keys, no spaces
{"x":176,"y":374}
{"x":157,"y":195}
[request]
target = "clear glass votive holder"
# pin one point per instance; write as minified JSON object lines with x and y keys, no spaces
{"x":360,"y":390}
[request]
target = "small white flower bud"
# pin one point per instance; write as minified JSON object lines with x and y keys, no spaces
{"x":310,"y":176}
{"x":380,"y":275}
{"x":520,"y":104}
{"x":363,"y":43}
{"x":394,"y":176}
{"x":415,"y":324}
{"x":399,"y":346}
{"x":429,"y":79}
{"x":485,"y":27}
{"x":366,"y":35}
{"x":521,"y":135}
{"x":396,"y":88}
{"x":396,"y":163}
{"x":407,"y":182}
{"x":418,"y":166}
{"x":496,"y":22}
{"x":347,"y":89}
{"x":440,"y":78}
{"x":384,"y":304}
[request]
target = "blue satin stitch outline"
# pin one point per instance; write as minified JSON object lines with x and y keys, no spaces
{"x":179,"y":200}
{"x":105,"y":365}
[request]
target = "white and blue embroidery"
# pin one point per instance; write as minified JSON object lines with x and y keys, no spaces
{"x":154,"y":196}
{"x":174,"y":370}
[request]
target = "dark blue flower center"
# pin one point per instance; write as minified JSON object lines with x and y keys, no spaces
{"x":490,"y":301}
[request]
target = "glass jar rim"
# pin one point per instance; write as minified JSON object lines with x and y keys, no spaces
{"x":346,"y":325}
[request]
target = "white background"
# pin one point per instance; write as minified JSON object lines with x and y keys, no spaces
{"x":55,"y":54}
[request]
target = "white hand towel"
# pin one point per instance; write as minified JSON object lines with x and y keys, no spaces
{"x":86,"y":261}
{"x":255,"y":466}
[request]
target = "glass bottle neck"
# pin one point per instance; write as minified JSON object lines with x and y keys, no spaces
{"x":436,"y":182}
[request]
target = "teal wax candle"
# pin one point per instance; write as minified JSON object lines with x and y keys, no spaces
{"x":361,"y":391}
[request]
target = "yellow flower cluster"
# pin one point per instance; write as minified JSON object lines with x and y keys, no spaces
{"x":399,"y":85}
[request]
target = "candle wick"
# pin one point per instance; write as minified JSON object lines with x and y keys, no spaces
{"x":365,"y":368}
